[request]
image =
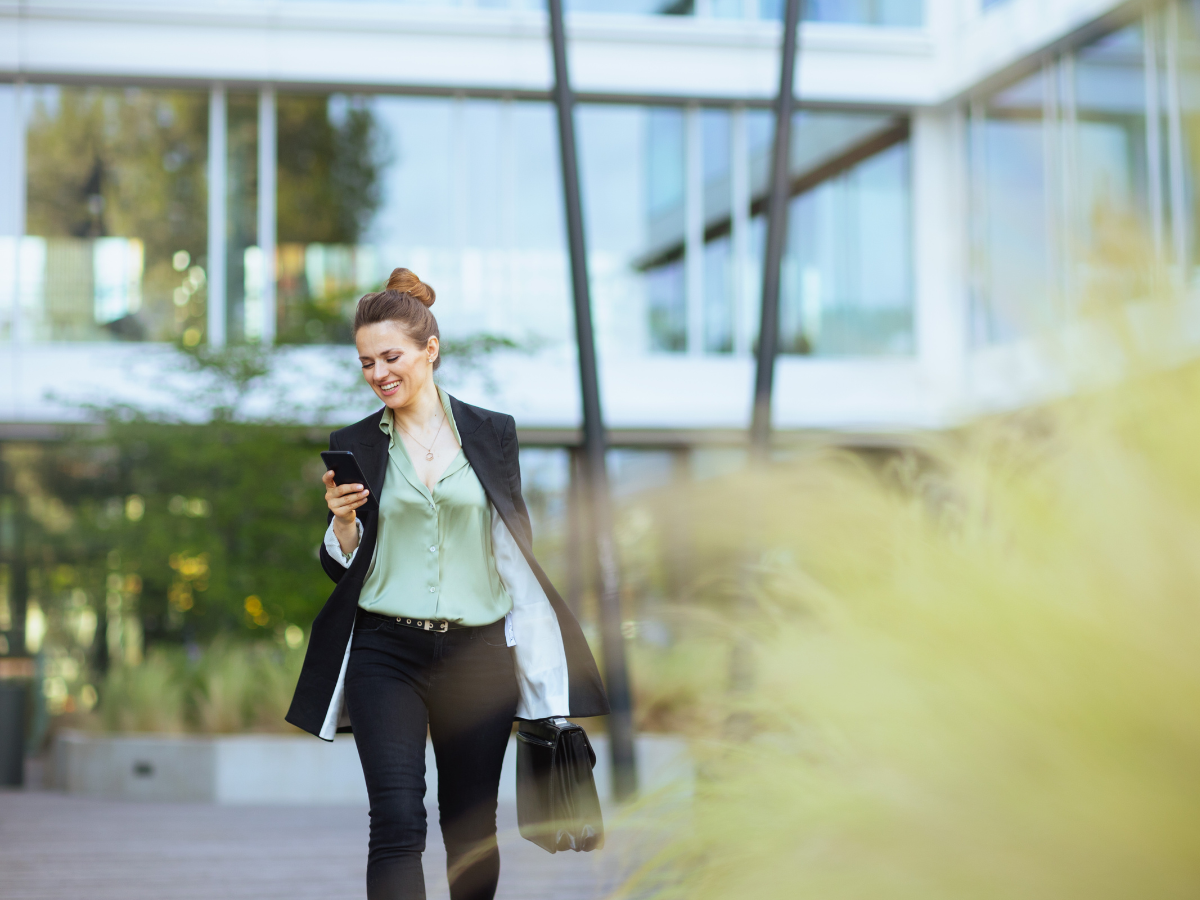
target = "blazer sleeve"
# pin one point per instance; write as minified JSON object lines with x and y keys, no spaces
{"x":512,"y":460}
{"x":332,"y":567}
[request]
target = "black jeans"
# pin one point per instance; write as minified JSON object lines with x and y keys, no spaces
{"x":460,"y":684}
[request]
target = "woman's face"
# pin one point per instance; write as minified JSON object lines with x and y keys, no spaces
{"x":395,"y":366}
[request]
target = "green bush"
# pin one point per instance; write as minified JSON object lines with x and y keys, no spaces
{"x":233,"y":686}
{"x":973,"y":677}
{"x":150,"y":697}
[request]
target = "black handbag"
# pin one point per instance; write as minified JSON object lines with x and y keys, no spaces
{"x":557,"y":804}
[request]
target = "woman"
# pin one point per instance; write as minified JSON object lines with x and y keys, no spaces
{"x":441,"y":620}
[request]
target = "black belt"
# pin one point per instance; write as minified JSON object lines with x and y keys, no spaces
{"x":439,"y":625}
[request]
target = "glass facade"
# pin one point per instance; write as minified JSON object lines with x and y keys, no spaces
{"x":1081,"y":177}
{"x":11,"y":226}
{"x":115,"y":217}
{"x":674,"y":200}
{"x":846,"y":283}
{"x":464,"y":192}
{"x":846,"y":280}
{"x":1184,"y":26}
{"x":632,"y":173}
{"x":905,"y":13}
{"x":467,"y":193}
{"x":1011,"y":247}
{"x":1110,"y":194}
{"x":243,"y":258}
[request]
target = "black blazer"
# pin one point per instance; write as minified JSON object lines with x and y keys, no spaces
{"x":489,"y":441}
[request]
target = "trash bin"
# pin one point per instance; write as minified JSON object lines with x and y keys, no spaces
{"x":13,"y":695}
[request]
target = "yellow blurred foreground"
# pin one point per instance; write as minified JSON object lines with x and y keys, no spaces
{"x":976,"y":672}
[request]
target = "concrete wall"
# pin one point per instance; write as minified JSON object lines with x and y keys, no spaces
{"x":274,"y":769}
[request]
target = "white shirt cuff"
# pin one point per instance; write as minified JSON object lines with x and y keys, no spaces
{"x":335,"y":549}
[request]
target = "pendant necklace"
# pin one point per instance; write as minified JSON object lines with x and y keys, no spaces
{"x":429,"y":449}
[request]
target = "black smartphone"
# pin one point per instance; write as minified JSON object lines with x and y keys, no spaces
{"x":345,"y":469}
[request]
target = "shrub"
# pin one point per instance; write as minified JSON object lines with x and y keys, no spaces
{"x":231,"y":687}
{"x":975,"y":676}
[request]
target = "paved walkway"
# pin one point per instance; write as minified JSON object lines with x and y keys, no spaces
{"x":59,"y":847}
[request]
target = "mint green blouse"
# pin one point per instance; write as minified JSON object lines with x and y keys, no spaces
{"x":433,"y":556}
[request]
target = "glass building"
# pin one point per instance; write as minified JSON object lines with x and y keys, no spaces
{"x":967,"y":178}
{"x":173,"y":173}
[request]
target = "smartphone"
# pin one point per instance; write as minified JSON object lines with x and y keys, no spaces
{"x":345,"y":469}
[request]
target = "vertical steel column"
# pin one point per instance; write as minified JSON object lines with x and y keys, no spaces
{"x":266,"y":209}
{"x":777,"y":208}
{"x":620,"y":722}
{"x":217,"y":217}
{"x":578,"y":572}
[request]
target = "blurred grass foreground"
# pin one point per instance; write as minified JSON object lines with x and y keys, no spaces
{"x":974,"y":671}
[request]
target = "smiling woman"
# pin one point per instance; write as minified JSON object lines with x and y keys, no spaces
{"x":442,"y":621}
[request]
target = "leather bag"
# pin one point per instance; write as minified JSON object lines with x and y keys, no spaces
{"x":557,"y":804}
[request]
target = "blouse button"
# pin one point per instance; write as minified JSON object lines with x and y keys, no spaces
{"x":433,"y":549}
{"x":432,"y":589}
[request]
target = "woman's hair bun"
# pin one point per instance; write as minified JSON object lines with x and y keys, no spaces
{"x":403,"y":281}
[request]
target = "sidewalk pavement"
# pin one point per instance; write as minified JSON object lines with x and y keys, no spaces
{"x":59,"y":847}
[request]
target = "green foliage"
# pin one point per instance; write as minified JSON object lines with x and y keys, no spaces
{"x":973,"y":677}
{"x":328,"y":169}
{"x":232,"y":687}
{"x":121,"y":162}
{"x":206,"y":516}
{"x":146,"y":698}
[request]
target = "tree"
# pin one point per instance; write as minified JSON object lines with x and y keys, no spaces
{"x":123,"y":162}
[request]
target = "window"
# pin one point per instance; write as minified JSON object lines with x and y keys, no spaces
{"x":633,"y":185}
{"x":466,"y":193}
{"x":1011,"y":240}
{"x":846,"y":278}
{"x":1068,"y":189}
{"x":116,"y":215}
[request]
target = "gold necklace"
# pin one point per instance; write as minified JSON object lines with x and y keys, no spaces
{"x":429,"y":449}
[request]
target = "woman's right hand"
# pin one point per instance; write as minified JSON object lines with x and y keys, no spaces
{"x":343,"y":500}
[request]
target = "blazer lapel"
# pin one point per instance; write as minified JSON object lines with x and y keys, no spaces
{"x":481,"y":447}
{"x":372,"y":457}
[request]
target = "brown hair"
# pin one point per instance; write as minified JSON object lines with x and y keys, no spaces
{"x":406,"y":299}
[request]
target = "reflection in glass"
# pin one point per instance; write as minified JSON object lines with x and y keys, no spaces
{"x":909,"y":13}
{"x":632,"y":176}
{"x":1110,"y":220}
{"x":463,"y":192}
{"x":9,"y":215}
{"x":666,"y":302}
{"x":719,"y":295}
{"x":329,"y":160}
{"x":243,"y":260}
{"x":116,"y":214}
{"x":1066,"y":211}
{"x":857,"y":12}
{"x":1186,"y":195}
{"x":1011,"y":246}
{"x":847,"y":281}
{"x":664,"y":177}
